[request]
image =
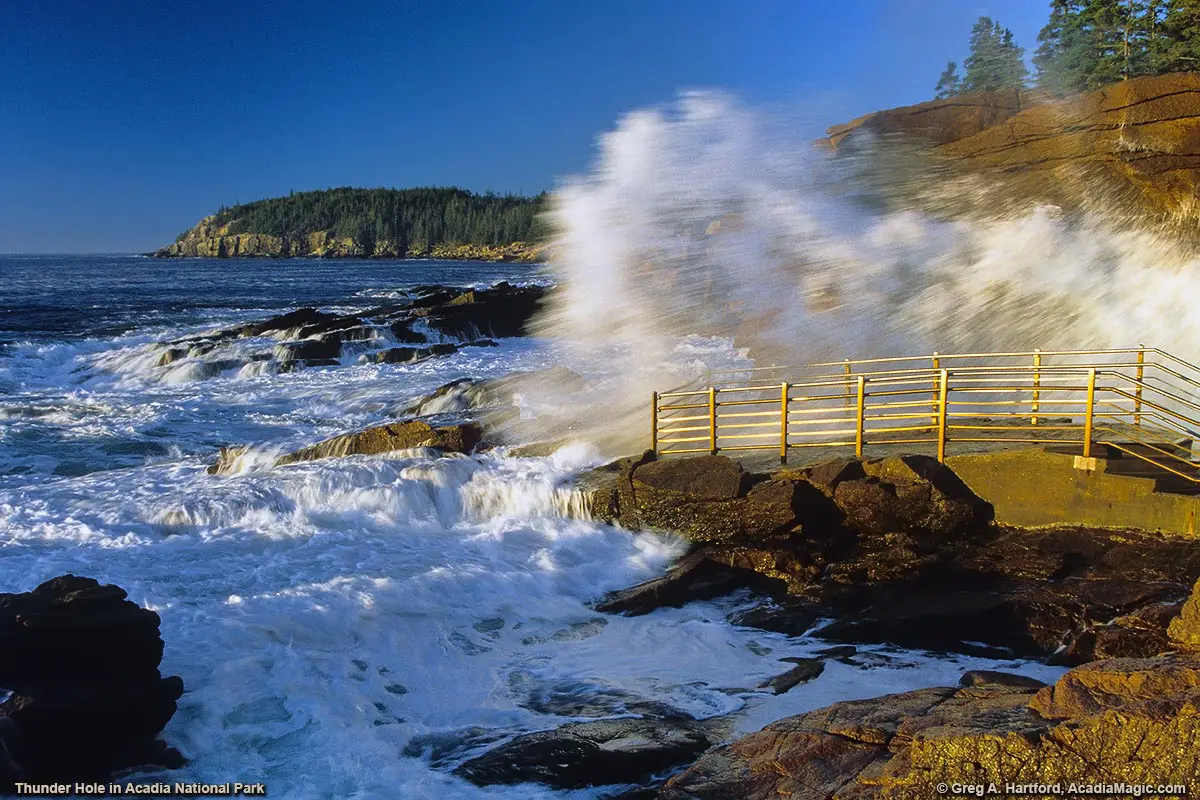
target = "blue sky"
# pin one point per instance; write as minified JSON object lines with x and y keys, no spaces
{"x":123,"y":123}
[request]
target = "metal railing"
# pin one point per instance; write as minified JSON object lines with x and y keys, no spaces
{"x":1141,"y":402}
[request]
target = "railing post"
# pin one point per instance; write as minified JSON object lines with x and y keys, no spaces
{"x":862,"y":406}
{"x":943,"y":391}
{"x":712,"y":420}
{"x":654,"y":423}
{"x":1137,"y":391}
{"x":848,"y":383}
{"x":1091,"y":405}
{"x":934,"y":405}
{"x":783,"y":422}
{"x":1037,"y":383}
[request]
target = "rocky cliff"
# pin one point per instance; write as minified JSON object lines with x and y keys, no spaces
{"x":1131,"y":149}
{"x":210,"y":240}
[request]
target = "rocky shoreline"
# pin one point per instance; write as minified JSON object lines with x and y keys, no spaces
{"x":431,"y":321}
{"x":890,"y":553}
{"x":898,"y":551}
{"x":208,"y":240}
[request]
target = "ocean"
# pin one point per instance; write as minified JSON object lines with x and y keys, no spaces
{"x":349,"y":627}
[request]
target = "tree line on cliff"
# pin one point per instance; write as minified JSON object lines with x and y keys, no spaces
{"x":1084,"y":45}
{"x":404,"y":217}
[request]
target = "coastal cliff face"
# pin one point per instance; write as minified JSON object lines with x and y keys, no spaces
{"x":1132,"y":148}
{"x":209,"y":240}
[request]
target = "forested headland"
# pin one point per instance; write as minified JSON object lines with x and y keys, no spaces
{"x":1085,"y":45}
{"x":397,"y":223}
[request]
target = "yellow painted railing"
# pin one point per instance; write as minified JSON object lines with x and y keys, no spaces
{"x":1142,"y":402}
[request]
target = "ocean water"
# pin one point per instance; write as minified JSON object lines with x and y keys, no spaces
{"x":354,"y":627}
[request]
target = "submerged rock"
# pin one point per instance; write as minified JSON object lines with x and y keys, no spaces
{"x":461,"y":438}
{"x":387,"y":438}
{"x":80,"y":662}
{"x":585,"y":754}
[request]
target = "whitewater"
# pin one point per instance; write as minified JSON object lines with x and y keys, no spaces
{"x":357,"y":627}
{"x":351,"y":627}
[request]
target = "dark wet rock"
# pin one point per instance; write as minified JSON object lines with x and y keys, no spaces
{"x":701,"y":478}
{"x":791,"y":617}
{"x":395,"y":355}
{"x":828,"y":475}
{"x":988,"y":677}
{"x":1138,"y":635}
{"x":387,"y":438}
{"x":80,"y":662}
{"x":457,"y":395}
{"x":330,"y":324}
{"x":710,"y":499}
{"x":403,"y":332}
{"x":299,"y":318}
{"x":894,"y":551}
{"x":308,"y":350}
{"x":699,"y":576}
{"x":599,"y":753}
{"x":806,"y":669}
{"x":498,"y":312}
{"x":172,"y":355}
{"x":444,"y":747}
{"x":403,"y":355}
{"x":226,"y":459}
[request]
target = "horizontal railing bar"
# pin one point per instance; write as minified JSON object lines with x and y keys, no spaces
{"x":838,"y":432}
{"x":752,"y":447}
{"x":897,"y":429}
{"x":1153,"y":447}
{"x":773,"y":434}
{"x":848,"y":443}
{"x":692,"y":418}
{"x":1038,"y":427}
{"x":732,"y":403}
{"x":741,"y":414}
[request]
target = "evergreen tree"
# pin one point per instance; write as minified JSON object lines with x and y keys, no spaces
{"x":1062,"y":59}
{"x":995,"y":62}
{"x":1177,"y":46}
{"x":948,"y":85}
{"x":402,"y":216}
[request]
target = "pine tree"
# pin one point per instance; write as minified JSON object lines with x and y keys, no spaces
{"x":995,"y":62}
{"x":948,"y":85}
{"x":1178,"y":45}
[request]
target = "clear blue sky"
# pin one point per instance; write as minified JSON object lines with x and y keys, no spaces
{"x":122,"y":123}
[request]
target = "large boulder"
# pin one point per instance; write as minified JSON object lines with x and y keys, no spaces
{"x":80,"y":663}
{"x":387,"y":438}
{"x":1119,"y":721}
{"x":1184,"y":631}
{"x":711,"y":499}
{"x":938,"y":121}
{"x":501,"y":311}
{"x":585,"y":754}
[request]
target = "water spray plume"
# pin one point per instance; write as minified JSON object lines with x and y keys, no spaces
{"x":707,"y":233}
